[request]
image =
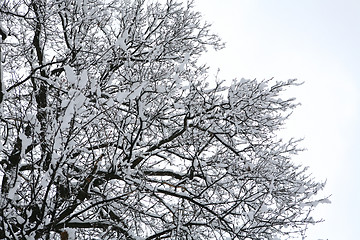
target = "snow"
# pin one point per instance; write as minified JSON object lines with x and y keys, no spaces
{"x":64,"y":103}
{"x":251,"y":215}
{"x":31,"y":236}
{"x":301,"y":189}
{"x":110,"y":102}
{"x":71,"y":233}
{"x":93,"y":87}
{"x":12,"y":191}
{"x":55,"y":156}
{"x":45,"y":180}
{"x":120,"y":96}
{"x":141,"y":110}
{"x":20,"y":220}
{"x":57,"y":142}
{"x":326,"y":200}
{"x":70,"y":74}
{"x":222,"y":139}
{"x":83,"y":79}
{"x":79,"y":100}
{"x":25,"y":142}
{"x":136,"y":90}
{"x":68,"y":116}
{"x":181,"y":67}
{"x":186,"y":57}
{"x":263,"y":208}
{"x":121,"y":42}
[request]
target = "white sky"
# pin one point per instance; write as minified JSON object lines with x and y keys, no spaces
{"x":316,"y":41}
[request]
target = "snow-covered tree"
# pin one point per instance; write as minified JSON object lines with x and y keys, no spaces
{"x":110,"y":130}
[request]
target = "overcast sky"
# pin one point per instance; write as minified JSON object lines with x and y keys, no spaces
{"x":318,"y":42}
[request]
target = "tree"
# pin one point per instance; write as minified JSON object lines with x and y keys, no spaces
{"x":111,"y":130}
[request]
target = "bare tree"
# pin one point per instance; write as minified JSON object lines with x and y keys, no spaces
{"x":110,"y":130}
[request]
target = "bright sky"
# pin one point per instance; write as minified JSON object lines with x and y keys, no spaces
{"x":318,"y":42}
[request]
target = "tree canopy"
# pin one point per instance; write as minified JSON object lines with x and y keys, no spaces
{"x":111,"y":129}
